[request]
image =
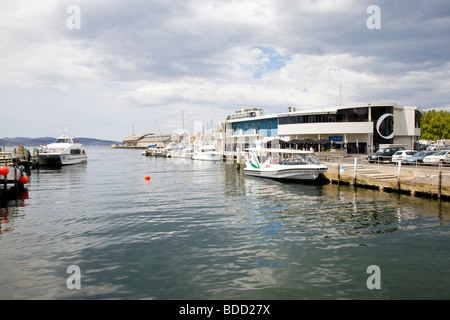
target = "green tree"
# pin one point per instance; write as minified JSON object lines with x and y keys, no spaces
{"x":435,"y":125}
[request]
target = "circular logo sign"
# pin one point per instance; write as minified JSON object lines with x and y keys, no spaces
{"x":380,"y":121}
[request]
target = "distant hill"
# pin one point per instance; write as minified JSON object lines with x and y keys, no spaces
{"x":35,"y":142}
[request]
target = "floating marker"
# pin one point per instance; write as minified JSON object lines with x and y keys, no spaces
{"x":4,"y":170}
{"x":23,"y":179}
{"x":147,"y":178}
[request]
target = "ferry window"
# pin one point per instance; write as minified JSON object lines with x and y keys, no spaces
{"x":246,"y":127}
{"x":270,"y":126}
{"x":258,"y":127}
{"x":234,"y":128}
{"x":253,"y":126}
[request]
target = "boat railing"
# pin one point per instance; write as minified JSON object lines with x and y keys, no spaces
{"x":301,"y":159}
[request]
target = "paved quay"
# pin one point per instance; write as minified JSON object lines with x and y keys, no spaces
{"x":426,"y":181}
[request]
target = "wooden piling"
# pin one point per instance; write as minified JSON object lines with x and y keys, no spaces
{"x":339,"y":173}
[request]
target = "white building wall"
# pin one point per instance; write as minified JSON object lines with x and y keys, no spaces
{"x":404,"y":124}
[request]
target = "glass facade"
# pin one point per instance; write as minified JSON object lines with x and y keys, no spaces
{"x":342,"y":115}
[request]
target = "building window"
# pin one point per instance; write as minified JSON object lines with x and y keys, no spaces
{"x":353,"y":115}
{"x":320,"y":118}
{"x":417,"y":118}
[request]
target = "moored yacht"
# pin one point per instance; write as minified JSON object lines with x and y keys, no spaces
{"x":207,"y":153}
{"x":63,"y":151}
{"x":283,"y":164}
{"x":182,"y":150}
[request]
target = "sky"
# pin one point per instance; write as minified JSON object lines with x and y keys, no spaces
{"x":106,"y":68}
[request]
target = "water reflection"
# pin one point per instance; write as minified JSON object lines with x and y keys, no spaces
{"x":204,"y":230}
{"x":10,"y":210}
{"x":315,"y":212}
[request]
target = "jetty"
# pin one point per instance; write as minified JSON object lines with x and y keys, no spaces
{"x":13,"y":173}
{"x":416,"y":180}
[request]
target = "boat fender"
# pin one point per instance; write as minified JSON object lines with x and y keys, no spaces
{"x":23,"y":179}
{"x":4,"y":170}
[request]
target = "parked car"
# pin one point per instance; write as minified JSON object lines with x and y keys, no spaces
{"x":384,"y":154}
{"x":439,"y":156}
{"x":433,"y":147}
{"x":418,"y":157}
{"x":403,"y":154}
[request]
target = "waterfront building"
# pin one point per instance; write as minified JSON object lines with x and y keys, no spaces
{"x":145,"y":140}
{"x":357,"y":129}
{"x":242,"y":131}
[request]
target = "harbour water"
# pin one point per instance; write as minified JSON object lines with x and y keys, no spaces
{"x":202,"y":230}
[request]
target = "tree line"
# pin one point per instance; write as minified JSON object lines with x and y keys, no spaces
{"x":435,"y":125}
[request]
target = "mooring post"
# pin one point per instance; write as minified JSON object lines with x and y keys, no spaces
{"x":354,"y":172}
{"x":440,"y":180}
{"x":399,"y":171}
{"x":238,"y":156}
{"x":339,"y":173}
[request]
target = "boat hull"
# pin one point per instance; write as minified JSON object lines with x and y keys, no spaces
{"x":61,"y":159}
{"x":208,"y":156}
{"x":286,"y":173}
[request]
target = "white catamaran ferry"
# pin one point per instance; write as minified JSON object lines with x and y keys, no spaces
{"x":63,"y":151}
{"x":283,"y":164}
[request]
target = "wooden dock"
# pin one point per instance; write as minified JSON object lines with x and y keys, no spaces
{"x":425,"y":181}
{"x":13,"y":175}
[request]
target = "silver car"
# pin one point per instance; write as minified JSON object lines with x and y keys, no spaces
{"x":442,"y":156}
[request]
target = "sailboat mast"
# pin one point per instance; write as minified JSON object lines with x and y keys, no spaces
{"x":182,"y":118}
{"x":160,"y":132}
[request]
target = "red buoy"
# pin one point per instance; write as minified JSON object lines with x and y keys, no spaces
{"x":4,"y":170}
{"x":147,"y":178}
{"x":23,"y":179}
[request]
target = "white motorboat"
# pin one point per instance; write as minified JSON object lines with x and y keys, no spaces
{"x":207,"y":153}
{"x":283,"y":164}
{"x":154,"y":152}
{"x":168,"y":149}
{"x":182,"y":150}
{"x":63,"y":151}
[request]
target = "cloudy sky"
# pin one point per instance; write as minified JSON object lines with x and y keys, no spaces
{"x":101,"y":67}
